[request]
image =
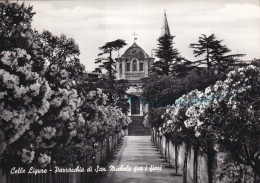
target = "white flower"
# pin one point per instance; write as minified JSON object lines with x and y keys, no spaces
{"x":216,"y":147}
{"x":35,"y":88}
{"x":169,"y":122}
{"x":2,"y":94}
{"x":199,"y":123}
{"x":189,"y":123}
{"x":197,"y":134}
{"x":73,"y":133}
{"x":207,"y":90}
{"x":64,"y":73}
{"x":99,"y":91}
{"x":27,"y":156}
{"x":44,"y":160}
{"x":48,"y":132}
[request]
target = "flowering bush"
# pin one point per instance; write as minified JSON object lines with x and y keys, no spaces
{"x":225,"y":114}
{"x":46,"y":116}
{"x":24,"y":101}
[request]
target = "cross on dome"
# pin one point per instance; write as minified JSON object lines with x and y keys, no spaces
{"x":135,"y":38}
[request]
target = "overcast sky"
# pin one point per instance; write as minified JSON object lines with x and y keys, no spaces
{"x":94,"y":22}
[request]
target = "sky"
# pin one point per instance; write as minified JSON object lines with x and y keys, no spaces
{"x":92,"y":23}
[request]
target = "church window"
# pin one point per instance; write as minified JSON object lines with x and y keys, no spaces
{"x":141,"y":66}
{"x":128,"y":66}
{"x":134,"y":65}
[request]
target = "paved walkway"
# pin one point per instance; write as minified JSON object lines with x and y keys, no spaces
{"x":139,"y":151}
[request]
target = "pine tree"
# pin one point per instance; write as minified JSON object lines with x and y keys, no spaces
{"x":215,"y":53}
{"x":167,"y":55}
{"x":108,"y":63}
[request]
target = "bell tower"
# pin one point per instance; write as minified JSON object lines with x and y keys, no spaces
{"x":165,"y":28}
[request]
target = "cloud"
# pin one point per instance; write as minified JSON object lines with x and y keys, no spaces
{"x":92,"y":23}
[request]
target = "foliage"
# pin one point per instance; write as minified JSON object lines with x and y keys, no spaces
{"x":108,"y":63}
{"x":167,"y":55}
{"x":160,"y":91}
{"x":15,"y":25}
{"x":24,"y":101}
{"x":256,"y":62}
{"x":214,"y":51}
{"x":229,"y":171}
{"x":225,"y":114}
{"x":116,"y":91}
{"x":46,"y":116}
{"x":154,"y":116}
{"x":61,"y":51}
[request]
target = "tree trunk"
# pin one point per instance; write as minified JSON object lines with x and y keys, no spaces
{"x":161,"y":149}
{"x":155,"y":137}
{"x":93,"y":157}
{"x":176,"y":159}
{"x":165,"y":150}
{"x":110,"y":62}
{"x":169,"y":155}
{"x":195,"y":165}
{"x":210,"y":161}
{"x":185,"y":164}
{"x":102,"y":152}
{"x":107,"y":149}
{"x":159,"y":143}
{"x":167,"y":68}
{"x":208,"y":57}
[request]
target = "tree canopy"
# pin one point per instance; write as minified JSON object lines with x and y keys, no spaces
{"x":215,"y":53}
{"x":160,"y":91}
{"x":223,"y":117}
{"x":167,"y":55}
{"x":49,"y":110}
{"x":108,"y":63}
{"x":15,"y":25}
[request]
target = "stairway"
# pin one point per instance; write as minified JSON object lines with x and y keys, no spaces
{"x":136,"y":128}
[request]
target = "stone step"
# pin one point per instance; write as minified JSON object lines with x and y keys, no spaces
{"x":136,"y":128}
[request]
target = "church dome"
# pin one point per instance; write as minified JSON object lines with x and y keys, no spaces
{"x":135,"y":51}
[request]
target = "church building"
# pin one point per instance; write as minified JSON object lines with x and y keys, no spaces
{"x":133,"y":66}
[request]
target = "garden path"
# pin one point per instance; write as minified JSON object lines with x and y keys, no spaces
{"x":138,"y":151}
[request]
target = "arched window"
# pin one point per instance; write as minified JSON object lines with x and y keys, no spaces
{"x":135,"y":65}
{"x":141,"y":66}
{"x":128,"y":65}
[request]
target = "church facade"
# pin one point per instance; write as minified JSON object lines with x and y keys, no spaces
{"x":133,"y":66}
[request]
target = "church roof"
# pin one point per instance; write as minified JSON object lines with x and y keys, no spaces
{"x":135,"y":51}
